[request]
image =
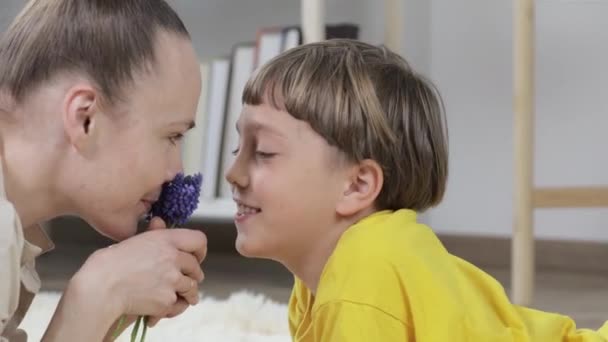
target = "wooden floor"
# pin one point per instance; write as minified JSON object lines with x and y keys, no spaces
{"x":583,"y":296}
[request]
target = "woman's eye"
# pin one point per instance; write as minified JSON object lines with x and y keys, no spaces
{"x":235,"y":151}
{"x":176,"y":138}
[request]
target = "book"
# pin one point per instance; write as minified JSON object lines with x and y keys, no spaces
{"x":241,"y":68}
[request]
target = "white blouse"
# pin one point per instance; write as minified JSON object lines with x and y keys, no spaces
{"x":19,"y":281}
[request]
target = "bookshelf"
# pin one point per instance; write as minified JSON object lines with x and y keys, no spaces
{"x":312,"y":15}
{"x":221,"y":209}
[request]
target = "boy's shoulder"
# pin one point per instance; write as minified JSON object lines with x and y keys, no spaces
{"x":377,"y":259}
{"x":386,"y":237}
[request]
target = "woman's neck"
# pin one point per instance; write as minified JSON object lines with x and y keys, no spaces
{"x":25,"y":176}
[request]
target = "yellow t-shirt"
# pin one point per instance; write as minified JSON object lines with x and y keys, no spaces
{"x":391,"y":279}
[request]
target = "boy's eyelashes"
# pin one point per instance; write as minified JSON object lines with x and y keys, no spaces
{"x":258,"y":153}
{"x":264,"y":155}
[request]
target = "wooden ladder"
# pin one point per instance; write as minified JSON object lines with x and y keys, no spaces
{"x":528,"y":197}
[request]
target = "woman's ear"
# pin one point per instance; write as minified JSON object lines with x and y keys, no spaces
{"x":80,"y":115}
{"x":362,"y":189}
{"x":7,"y":101}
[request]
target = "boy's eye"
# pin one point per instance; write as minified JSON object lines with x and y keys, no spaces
{"x":264,"y":155}
{"x":260,"y":154}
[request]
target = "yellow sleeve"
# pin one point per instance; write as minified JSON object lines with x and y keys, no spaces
{"x":294,"y":316}
{"x":604,"y":330}
{"x":354,"y":322}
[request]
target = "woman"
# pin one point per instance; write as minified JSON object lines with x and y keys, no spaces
{"x":94,"y":98}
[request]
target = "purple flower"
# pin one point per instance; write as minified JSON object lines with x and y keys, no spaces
{"x":178,"y":200}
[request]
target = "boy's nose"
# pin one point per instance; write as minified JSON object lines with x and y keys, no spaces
{"x":236,"y":175}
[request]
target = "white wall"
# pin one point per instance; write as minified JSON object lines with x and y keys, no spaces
{"x":417,"y":34}
{"x":471,"y":62}
{"x":215,"y":25}
{"x":466,"y":47}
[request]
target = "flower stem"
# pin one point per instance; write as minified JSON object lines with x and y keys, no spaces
{"x":121,"y":322}
{"x":143,"y":334}
{"x":135,"y":329}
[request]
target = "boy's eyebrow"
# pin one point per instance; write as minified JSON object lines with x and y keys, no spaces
{"x":258,"y":126}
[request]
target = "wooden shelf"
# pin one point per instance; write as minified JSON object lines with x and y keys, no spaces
{"x":571,"y":197}
{"x":221,"y":209}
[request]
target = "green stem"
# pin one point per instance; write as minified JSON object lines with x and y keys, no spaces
{"x":121,"y":322}
{"x":135,"y":329}
{"x":143,"y":334}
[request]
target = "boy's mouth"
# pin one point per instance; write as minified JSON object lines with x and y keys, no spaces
{"x":243,"y":209}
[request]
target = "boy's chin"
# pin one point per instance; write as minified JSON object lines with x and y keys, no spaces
{"x":248,"y":248}
{"x":241,"y":247}
{"x":253,"y":249}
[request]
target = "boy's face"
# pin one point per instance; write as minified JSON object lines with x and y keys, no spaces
{"x":138,"y":149}
{"x":286,"y":181}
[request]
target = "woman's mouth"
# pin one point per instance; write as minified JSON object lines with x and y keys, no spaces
{"x":147,"y":204}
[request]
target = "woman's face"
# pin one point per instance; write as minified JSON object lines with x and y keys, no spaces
{"x":137,"y":149}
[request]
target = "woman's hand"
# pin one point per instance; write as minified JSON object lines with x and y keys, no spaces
{"x":155,"y":274}
{"x":185,"y":299}
{"x":150,"y":272}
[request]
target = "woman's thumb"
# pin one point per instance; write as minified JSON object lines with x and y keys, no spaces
{"x":157,"y":223}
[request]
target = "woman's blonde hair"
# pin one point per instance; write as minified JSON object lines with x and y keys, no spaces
{"x":106,"y":40}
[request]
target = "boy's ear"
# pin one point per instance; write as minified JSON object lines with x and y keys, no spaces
{"x":363,"y":188}
{"x":80,"y":115}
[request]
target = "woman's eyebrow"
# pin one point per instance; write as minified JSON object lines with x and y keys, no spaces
{"x":190,"y":124}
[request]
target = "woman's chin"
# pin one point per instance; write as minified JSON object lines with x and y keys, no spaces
{"x":116,"y":229}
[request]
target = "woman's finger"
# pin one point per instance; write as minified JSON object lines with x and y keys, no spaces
{"x":190,"y":241}
{"x":178,"y":308}
{"x":187,"y":288}
{"x":189,"y":266}
{"x":157,"y":223}
{"x":152,"y":321}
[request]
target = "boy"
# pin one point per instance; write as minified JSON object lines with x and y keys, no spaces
{"x":341,"y":144}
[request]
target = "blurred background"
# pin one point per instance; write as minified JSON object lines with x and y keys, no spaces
{"x":466,"y":48}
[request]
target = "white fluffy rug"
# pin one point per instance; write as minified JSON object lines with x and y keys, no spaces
{"x":243,"y":317}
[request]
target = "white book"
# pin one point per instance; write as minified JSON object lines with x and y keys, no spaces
{"x":292,"y":37}
{"x":212,"y":143}
{"x":241,"y":69}
{"x":193,"y":141}
{"x":269,"y":45}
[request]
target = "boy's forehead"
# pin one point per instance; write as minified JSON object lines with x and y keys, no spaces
{"x":259,"y":117}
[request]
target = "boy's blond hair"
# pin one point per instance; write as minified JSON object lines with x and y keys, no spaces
{"x":366,"y":101}
{"x":106,"y":40}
